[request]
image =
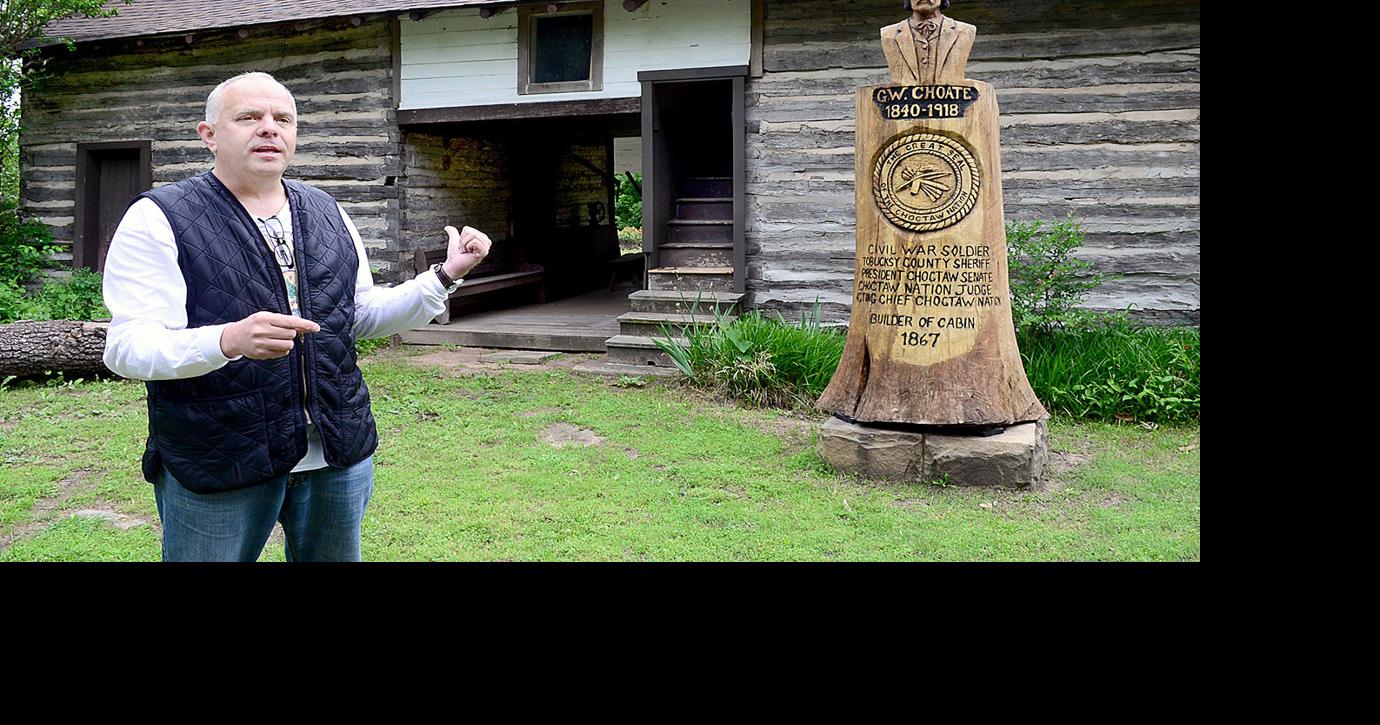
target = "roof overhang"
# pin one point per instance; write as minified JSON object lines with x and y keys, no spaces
{"x":144,"y":18}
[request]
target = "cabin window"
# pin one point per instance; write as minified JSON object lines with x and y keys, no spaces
{"x":563,"y":51}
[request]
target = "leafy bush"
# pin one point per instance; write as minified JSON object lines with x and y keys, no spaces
{"x":1111,"y":368}
{"x":629,"y":240}
{"x":1047,"y":281}
{"x":627,"y":204}
{"x":77,"y":297}
{"x":13,"y":306}
{"x":759,"y":360}
{"x":25,"y":246}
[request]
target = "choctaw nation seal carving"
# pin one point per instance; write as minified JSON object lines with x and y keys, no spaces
{"x":925,"y":181}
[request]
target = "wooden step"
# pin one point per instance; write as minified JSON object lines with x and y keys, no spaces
{"x":701,"y":186}
{"x":696,"y":254}
{"x":707,"y":279}
{"x":656,"y":324}
{"x":668,"y":301}
{"x":703,"y":208}
{"x":694,"y":231}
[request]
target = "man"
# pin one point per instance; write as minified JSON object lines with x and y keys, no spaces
{"x":239,"y":295}
{"x":927,"y":48}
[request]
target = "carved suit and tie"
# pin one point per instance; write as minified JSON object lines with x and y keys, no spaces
{"x":928,"y":53}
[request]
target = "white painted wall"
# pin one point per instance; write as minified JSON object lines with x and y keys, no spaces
{"x":456,"y":58}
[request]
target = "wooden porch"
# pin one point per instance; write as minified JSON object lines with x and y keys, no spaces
{"x":576,"y":324}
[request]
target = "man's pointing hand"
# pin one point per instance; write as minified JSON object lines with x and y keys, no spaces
{"x":263,"y":335}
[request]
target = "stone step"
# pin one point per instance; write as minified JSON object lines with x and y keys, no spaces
{"x":666,"y":301}
{"x":655,"y":324}
{"x":615,"y":370}
{"x":702,"y":186}
{"x":640,"y":350}
{"x":697,"y":254}
{"x":707,"y":279}
{"x":694,"y":231}
{"x":704,"y":208}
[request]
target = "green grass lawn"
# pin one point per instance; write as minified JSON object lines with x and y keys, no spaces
{"x":464,"y":472}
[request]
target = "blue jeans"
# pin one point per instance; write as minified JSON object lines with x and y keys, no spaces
{"x":321,"y":512}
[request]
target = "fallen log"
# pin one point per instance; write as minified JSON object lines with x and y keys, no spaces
{"x":72,"y":348}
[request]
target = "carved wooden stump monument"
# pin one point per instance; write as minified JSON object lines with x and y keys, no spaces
{"x":931,"y":383}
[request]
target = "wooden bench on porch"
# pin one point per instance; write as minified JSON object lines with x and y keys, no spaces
{"x":492,"y":275}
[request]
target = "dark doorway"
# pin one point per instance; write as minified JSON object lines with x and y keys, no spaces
{"x":109,"y":175}
{"x":693,"y":197}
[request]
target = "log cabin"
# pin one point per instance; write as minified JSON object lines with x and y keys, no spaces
{"x":516,"y":118}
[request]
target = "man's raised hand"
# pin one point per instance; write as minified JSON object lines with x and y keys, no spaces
{"x":465,"y":250}
{"x":263,"y":335}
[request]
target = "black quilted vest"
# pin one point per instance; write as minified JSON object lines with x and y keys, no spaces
{"x":243,"y":424}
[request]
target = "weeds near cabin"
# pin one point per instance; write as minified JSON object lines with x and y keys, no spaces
{"x":757,"y":359}
{"x":1085,"y":363}
{"x":1111,"y":368}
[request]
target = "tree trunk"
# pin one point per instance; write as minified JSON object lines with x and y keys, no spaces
{"x":36,"y":348}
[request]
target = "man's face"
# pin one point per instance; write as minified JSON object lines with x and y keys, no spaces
{"x":256,"y":133}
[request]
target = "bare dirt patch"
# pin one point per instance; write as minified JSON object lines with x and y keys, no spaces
{"x":46,"y":510}
{"x":560,"y":435}
{"x":1113,"y":501}
{"x":1061,"y":462}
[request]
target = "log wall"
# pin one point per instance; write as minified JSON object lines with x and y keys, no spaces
{"x":455,"y":180}
{"x":341,"y":76}
{"x":1100,"y":117}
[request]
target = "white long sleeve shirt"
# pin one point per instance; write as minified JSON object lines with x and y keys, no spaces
{"x":149,"y":339}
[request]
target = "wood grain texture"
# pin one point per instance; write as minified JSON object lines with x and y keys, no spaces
{"x":970,"y":372}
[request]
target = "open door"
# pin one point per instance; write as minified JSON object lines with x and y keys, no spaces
{"x":693,"y":199}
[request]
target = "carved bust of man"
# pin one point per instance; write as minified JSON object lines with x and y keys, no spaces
{"x":927,"y":48}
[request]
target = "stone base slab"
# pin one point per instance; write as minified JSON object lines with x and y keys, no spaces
{"x":519,"y":357}
{"x":1015,"y":458}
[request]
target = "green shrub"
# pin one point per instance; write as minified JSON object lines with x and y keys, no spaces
{"x":25,"y":246}
{"x":77,"y":297}
{"x":13,"y":305}
{"x":627,"y":204}
{"x":1111,"y":368}
{"x":629,"y":240}
{"x":1047,"y":281}
{"x":760,"y":360}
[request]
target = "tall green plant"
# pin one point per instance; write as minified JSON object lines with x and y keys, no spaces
{"x":1048,"y":283}
{"x":1115,"y":369}
{"x":627,"y":205}
{"x":759,"y":360}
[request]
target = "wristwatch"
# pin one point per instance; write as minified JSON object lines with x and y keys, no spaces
{"x":450,"y":284}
